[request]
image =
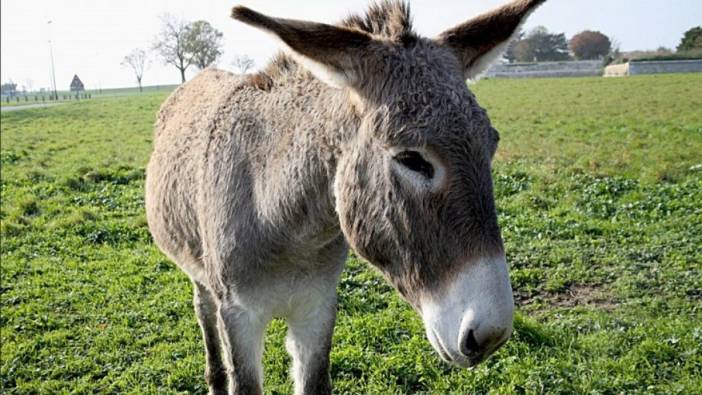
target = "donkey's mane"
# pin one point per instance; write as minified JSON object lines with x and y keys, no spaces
{"x":390,"y":19}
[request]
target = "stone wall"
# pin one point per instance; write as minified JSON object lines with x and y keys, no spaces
{"x":665,"y":66}
{"x":654,"y":67}
{"x":581,"y":68}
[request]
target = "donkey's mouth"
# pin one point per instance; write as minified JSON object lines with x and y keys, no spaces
{"x":475,"y":360}
{"x":464,"y":361}
{"x":443,"y":353}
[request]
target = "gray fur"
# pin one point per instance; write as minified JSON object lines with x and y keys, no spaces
{"x":259,"y":184}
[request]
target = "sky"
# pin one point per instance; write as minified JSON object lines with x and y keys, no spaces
{"x":91,"y":37}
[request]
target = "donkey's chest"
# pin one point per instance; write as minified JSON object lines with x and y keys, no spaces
{"x":282,"y":297}
{"x":293,"y":279}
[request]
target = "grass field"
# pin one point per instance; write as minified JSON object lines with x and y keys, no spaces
{"x":599,"y":190}
{"x":67,"y":96}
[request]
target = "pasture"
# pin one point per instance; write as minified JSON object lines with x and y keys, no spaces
{"x":599,"y":191}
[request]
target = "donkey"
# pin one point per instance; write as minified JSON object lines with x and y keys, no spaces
{"x":362,"y":135}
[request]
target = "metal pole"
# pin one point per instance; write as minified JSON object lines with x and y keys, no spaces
{"x":53,"y":72}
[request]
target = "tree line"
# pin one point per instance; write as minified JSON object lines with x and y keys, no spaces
{"x":182,"y":45}
{"x":540,"y":45}
{"x":197,"y":44}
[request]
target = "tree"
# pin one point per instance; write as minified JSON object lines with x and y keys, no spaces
{"x":523,"y":51}
{"x":589,"y":45}
{"x":541,"y":46}
{"x":204,"y":43}
{"x":137,"y":60}
{"x":692,"y":40}
{"x":243,"y":63}
{"x":509,"y":55}
{"x":615,"y":53}
{"x":9,"y":89}
{"x":171,"y":44}
{"x":29,"y":84}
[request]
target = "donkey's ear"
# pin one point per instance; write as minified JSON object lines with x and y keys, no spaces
{"x":483,"y":39}
{"x":329,"y":52}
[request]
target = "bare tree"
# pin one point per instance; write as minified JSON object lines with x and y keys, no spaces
{"x":243,"y":63}
{"x":9,"y":88}
{"x":137,"y":60}
{"x":30,"y":85}
{"x":171,"y":44}
{"x":510,"y":55}
{"x":204,"y":43}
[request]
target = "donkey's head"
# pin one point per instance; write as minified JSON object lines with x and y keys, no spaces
{"x":413,"y":187}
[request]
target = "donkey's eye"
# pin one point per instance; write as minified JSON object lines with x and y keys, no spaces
{"x":414,"y":161}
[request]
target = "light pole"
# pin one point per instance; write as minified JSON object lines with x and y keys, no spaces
{"x":51,"y":54}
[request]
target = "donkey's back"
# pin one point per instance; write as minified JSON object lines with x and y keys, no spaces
{"x":222,"y":194}
{"x":174,"y":175}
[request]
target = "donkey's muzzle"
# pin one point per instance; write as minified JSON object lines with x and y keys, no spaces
{"x":471,"y":317}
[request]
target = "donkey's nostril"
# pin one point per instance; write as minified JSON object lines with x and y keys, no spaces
{"x":469,"y":345}
{"x":476,"y":344}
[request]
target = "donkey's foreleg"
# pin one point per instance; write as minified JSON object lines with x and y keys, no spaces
{"x":206,"y":311}
{"x":310,"y":329}
{"x":241,"y":331}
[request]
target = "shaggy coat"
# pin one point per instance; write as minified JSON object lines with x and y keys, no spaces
{"x":363,"y":136}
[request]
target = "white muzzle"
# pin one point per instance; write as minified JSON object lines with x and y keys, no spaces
{"x":471,"y":316}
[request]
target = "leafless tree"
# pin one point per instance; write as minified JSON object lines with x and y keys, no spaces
{"x":204,"y":43}
{"x":243,"y":63}
{"x":137,"y":60}
{"x":30,"y":85}
{"x":171,"y":44}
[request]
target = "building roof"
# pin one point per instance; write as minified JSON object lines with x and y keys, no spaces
{"x":77,"y":84}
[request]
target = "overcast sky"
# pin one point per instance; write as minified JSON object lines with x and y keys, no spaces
{"x":90,"y":37}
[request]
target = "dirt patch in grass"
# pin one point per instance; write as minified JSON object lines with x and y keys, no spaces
{"x":574,"y":295}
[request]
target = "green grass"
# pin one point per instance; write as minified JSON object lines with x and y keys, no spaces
{"x":67,"y":96}
{"x":599,"y":190}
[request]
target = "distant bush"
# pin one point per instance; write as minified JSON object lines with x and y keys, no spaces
{"x":691,"y":55}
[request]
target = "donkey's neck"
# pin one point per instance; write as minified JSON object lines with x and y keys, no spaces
{"x":308,"y":125}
